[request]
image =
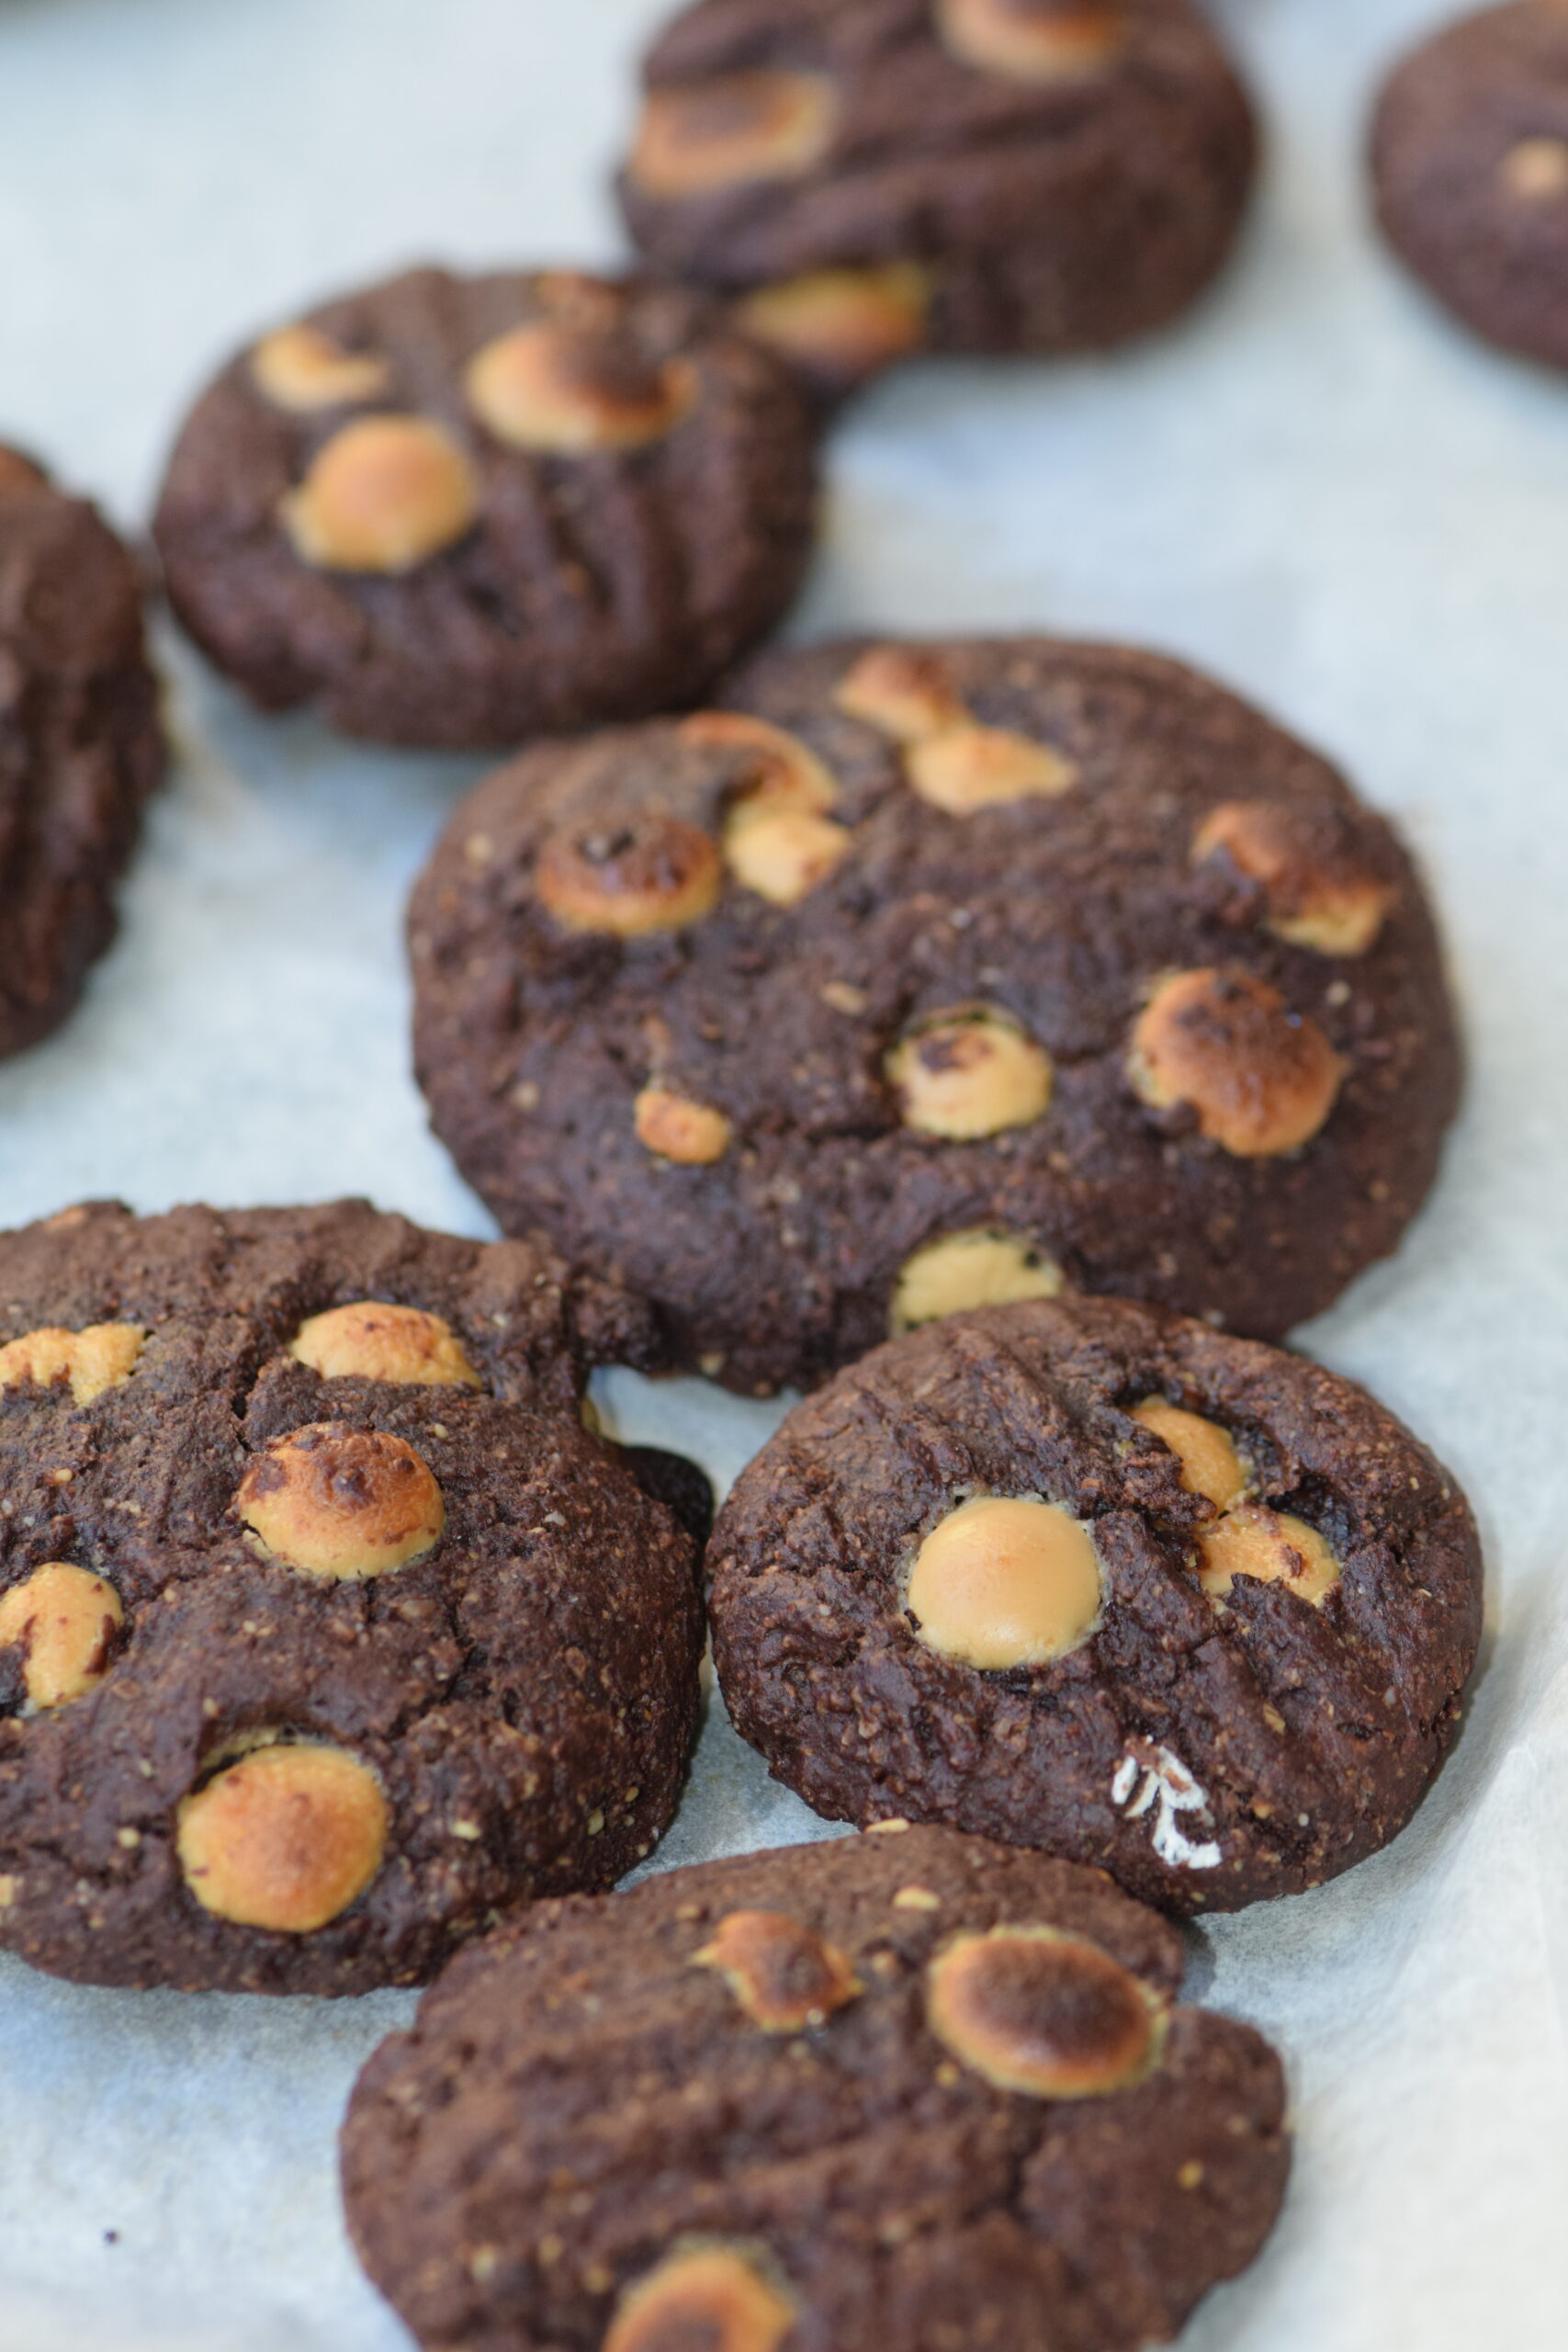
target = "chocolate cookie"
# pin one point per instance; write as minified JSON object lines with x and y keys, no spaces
{"x":880,"y":176}
{"x":327,"y":1628}
{"x":925,"y":978}
{"x":912,"y":2091}
{"x":464,"y":511}
{"x":1094,"y":1577}
{"x":81,"y":743}
{"x":1470,"y":159}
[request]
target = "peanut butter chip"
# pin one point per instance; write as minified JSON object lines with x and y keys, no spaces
{"x":982,"y":1268}
{"x":847,"y":321}
{"x":93,"y":1361}
{"x":1331,"y":907}
{"x":1006,"y":1581}
{"x":374,"y":1340}
{"x":64,"y":1620}
{"x":1211,"y":1465}
{"x":968,"y":1074}
{"x":708,"y":2298}
{"x":1261,"y":1079}
{"x":902,"y":692}
{"x":1033,"y":41}
{"x":785,"y":854}
{"x":1537,"y":169}
{"x":1030,"y":2010}
{"x":564,"y":389}
{"x":777,"y":839}
{"x":384,"y":494}
{"x":782,"y":1973}
{"x":973,"y":767}
{"x":286,"y":1839}
{"x":694,"y":1135}
{"x":301,"y":368}
{"x":724,"y":132}
{"x":650,"y":872}
{"x":776,"y":769}
{"x":341,"y":1503}
{"x":1271,"y":1546}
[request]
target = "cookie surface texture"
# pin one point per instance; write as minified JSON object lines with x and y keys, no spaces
{"x":1470,"y":164}
{"x":951,"y":175}
{"x":996,"y":2126}
{"x":81,"y":743}
{"x":465,"y":511}
{"x":1259,"y":1682}
{"x":327,"y":1629}
{"x":925,"y":978}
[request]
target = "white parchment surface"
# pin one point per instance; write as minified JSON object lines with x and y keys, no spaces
{"x":1319,"y":489}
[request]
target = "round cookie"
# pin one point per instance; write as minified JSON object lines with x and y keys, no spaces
{"x":924,"y":977}
{"x":1470,"y":164}
{"x":81,"y":743}
{"x":1085,"y":1576}
{"x":464,"y":511}
{"x":328,"y":1629}
{"x":909,"y":2090}
{"x":945,"y":175}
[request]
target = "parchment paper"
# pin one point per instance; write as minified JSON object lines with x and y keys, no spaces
{"x":1316,"y":488}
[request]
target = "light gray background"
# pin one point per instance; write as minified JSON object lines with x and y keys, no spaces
{"x":1317,"y":489}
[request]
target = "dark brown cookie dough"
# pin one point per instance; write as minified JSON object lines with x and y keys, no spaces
{"x":81,"y":743}
{"x":1469,"y":163}
{"x":327,"y":1628}
{"x":1093,"y":1577}
{"x":879,"y":177}
{"x":907,"y":2090}
{"x":465,"y":511}
{"x":928,"y":977}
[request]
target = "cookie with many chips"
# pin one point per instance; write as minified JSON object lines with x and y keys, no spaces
{"x":328,"y":1628}
{"x":81,"y":743}
{"x":1092,"y":1577}
{"x":908,"y":2090}
{"x":468,"y":510}
{"x":924,"y":977}
{"x":875,"y":177}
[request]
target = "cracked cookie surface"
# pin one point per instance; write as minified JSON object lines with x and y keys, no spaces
{"x":926,"y":976}
{"x":997,"y":2126}
{"x":970,"y":175}
{"x":328,"y":1630}
{"x":464,"y":511}
{"x":1470,"y":167}
{"x":1264,"y":1675}
{"x":81,"y":743}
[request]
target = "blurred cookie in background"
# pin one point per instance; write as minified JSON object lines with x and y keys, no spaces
{"x":81,"y":742}
{"x":981,"y":175}
{"x":464,"y":511}
{"x":1470,"y":165}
